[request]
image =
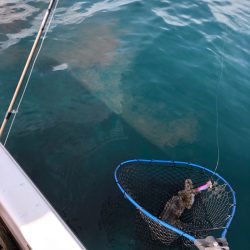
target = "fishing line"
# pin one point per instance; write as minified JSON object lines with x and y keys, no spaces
{"x":30,"y":73}
{"x":217,"y":107}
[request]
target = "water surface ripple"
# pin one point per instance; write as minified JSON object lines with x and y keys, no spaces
{"x":122,"y":79}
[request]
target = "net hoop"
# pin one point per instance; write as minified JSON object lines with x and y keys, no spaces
{"x":157,"y":220}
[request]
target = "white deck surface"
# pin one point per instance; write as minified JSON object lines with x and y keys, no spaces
{"x":29,"y":216}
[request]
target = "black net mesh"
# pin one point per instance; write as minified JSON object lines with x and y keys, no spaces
{"x":152,"y":184}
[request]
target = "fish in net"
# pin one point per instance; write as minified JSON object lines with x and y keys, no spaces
{"x":179,"y":202}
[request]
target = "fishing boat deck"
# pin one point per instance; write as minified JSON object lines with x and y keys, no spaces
{"x":26,"y":212}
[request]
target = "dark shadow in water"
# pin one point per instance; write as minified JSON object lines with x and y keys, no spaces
{"x":71,"y":158}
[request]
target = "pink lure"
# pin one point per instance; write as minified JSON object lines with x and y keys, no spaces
{"x":204,"y":187}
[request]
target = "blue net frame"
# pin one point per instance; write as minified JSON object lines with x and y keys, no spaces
{"x":149,"y":184}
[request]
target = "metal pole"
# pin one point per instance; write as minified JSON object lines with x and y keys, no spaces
{"x":27,"y":64}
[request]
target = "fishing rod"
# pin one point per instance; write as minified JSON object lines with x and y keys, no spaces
{"x":26,"y":67}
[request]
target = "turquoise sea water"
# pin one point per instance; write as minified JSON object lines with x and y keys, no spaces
{"x":125,"y":79}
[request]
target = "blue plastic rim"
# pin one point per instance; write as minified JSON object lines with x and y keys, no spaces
{"x":152,"y":217}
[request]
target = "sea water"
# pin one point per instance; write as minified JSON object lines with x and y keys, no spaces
{"x":126,"y":79}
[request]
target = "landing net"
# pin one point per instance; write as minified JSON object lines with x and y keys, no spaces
{"x":148,"y":185}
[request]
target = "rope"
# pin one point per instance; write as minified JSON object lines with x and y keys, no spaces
{"x":217,"y":109}
{"x":30,"y":73}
